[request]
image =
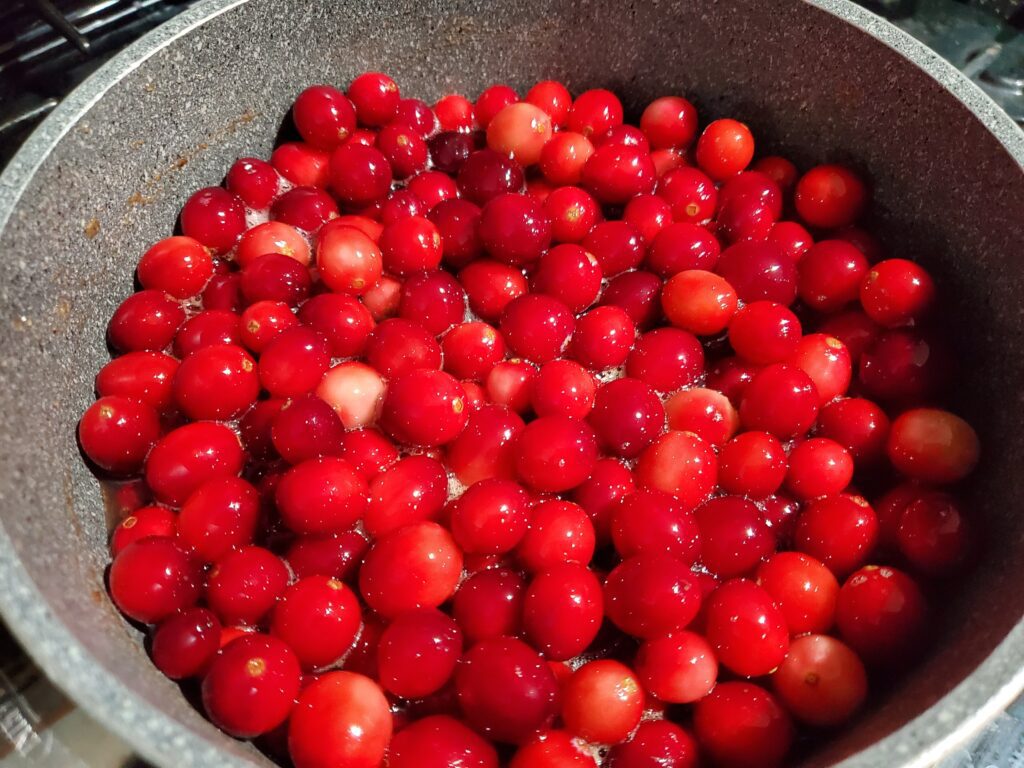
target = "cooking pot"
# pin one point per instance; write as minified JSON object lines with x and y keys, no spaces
{"x":107,"y":172}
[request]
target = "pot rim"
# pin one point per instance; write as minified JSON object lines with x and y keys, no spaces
{"x":163,"y":740}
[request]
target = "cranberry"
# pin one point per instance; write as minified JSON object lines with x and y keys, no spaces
{"x":337,"y":557}
{"x":594,"y":113}
{"x":342,"y":320}
{"x":321,"y":496}
{"x":489,"y":604}
{"x":562,"y":610}
{"x":485,"y":174}
{"x":294,"y":362}
{"x":841,"y":531}
{"x":699,"y":302}
{"x":724,"y":149}
{"x":651,"y":521}
{"x":555,"y":453}
{"x":185,"y":644}
{"x":779,"y":169}
{"x":563,"y":157}
{"x":904,"y":366}
{"x":455,"y":113}
{"x":934,"y":535}
{"x":691,"y":194}
{"x":117,"y":433}
{"x":731,"y":376}
{"x":491,"y":287}
{"x":669,"y":122}
{"x":551,"y":749}
{"x":792,"y":239}
{"x":617,"y":246}
{"x":752,"y":464}
{"x":520,"y":131}
{"x":818,"y":467}
{"x":734,"y":536}
{"x":245,"y":584}
{"x":570,"y":274}
{"x":254,"y":181}
{"x":681,"y":246}
{"x":859,"y":425}
{"x":514,"y":228}
{"x":746,"y":628}
{"x":830,"y":275}
{"x":486,"y":447}
{"x":306,"y":428}
{"x":803,"y":588}
{"x":827,"y":362}
{"x":306,"y":208}
{"x":650,"y":595}
{"x":319,"y":618}
{"x":505,"y":689}
{"x":410,"y":245}
{"x":741,"y":725}
{"x":656,"y":744}
{"x":854,"y":329}
{"x":627,"y":416}
{"x":608,"y":482}
{"x":705,"y":412}
{"x":650,"y":214}
{"x":491,"y":101}
{"x":223,"y":292}
{"x":400,"y":204}
{"x":424,"y":408}
{"x":780,"y":399}
{"x":440,"y":741}
{"x":432,"y":187}
{"x":397,"y":347}
{"x":679,"y":463}
{"x":142,"y":523}
{"x":342,"y":718}
{"x":881,"y":614}
{"x":145,"y":321}
{"x":830,"y":196}
{"x":154,"y":578}
{"x":764,"y":332}
{"x":744,"y":218}
{"x":639,"y":293}
{"x":626,"y":136}
{"x":209,"y":327}
{"x":375,"y":97}
{"x":220,"y":515}
{"x":368,"y":451}
{"x":142,"y":376}
{"x":679,"y":668}
{"x":404,"y":148}
{"x":553,"y":98}
{"x":822,"y":682}
{"x":602,"y":702}
{"x":187,"y":457}
{"x":573,"y":213}
{"x":359,"y":175}
{"x":932,"y":445}
{"x":271,"y":237}
{"x":457,"y":221}
{"x":559,"y":532}
{"x":435,"y":300}
{"x":302,"y":164}
{"x":275,"y":277}
{"x":897,"y":292}
{"x":218,"y":382}
{"x":759,"y":271}
{"x":417,"y":566}
{"x":511,"y":384}
{"x":323,"y":116}
{"x":354,"y":391}
{"x":537,"y":327}
{"x":179,"y":266}
{"x":615,"y":173}
{"x":261,"y":322}
{"x":214,"y":217}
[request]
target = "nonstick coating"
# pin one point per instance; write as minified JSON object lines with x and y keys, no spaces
{"x":107,"y":173}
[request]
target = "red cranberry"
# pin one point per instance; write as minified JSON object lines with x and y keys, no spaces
{"x":275,"y":277}
{"x":682,"y":246}
{"x":432,"y":187}
{"x":764,"y":332}
{"x":573,"y":213}
{"x":417,"y":566}
{"x":731,"y":376}
{"x":741,"y":725}
{"x":321,"y":496}
{"x":179,"y":266}
{"x":491,"y":101}
{"x":780,"y":514}
{"x":360,"y":175}
{"x":904,"y":366}
{"x":188,"y":456}
{"x":830,"y":196}
{"x":744,"y":218}
{"x":818,"y":467}
{"x":656,"y":744}
{"x":680,"y":668}
{"x":563,"y":157}
{"x":617,"y":246}
{"x":669,"y":122}
{"x":305,"y":208}
{"x":650,"y":214}
{"x":368,"y":451}
{"x":209,"y":327}
{"x":562,"y":610}
{"x":746,"y":628}
{"x":705,"y":412}
{"x":510,"y":384}
{"x":594,"y":113}
{"x":691,"y":194}
{"x":490,"y":517}
{"x":627,"y":417}
{"x":830,"y":275}
{"x":650,"y":595}
{"x":486,"y":447}
{"x":602,"y":702}
{"x":854,"y":329}
{"x":471,"y":350}
{"x":323,"y":116}
{"x":142,"y":523}
{"x":440,"y":741}
{"x":456,"y":221}
{"x":218,"y":382}
{"x":724,"y":149}
{"x":185,"y":644}
{"x":117,"y":433}
{"x":152,"y":579}
{"x":752,"y":464}
{"x":699,"y":302}
{"x":803,"y":588}
{"x":553,"y":98}
{"x":792,"y":239}
{"x":759,"y":271}
{"x":505,"y":689}
{"x":537,"y":327}
{"x":410,"y":245}
{"x":822,"y":682}
{"x":841,"y":531}
{"x":859,"y":425}
{"x":401,"y":204}
{"x":489,"y":604}
{"x":375,"y":97}
{"x":779,"y":169}
{"x":934,"y":535}
{"x":555,"y":453}
{"x":220,"y":515}
{"x":319,"y":618}
{"x":932,"y":445}
{"x":559,"y":532}
{"x":397,"y":347}
{"x":491,"y":287}
{"x":342,"y":718}
{"x":614,"y":173}
{"x":354,"y":391}
{"x":827,"y":362}
{"x":294,"y":362}
{"x":245,"y":584}
{"x":609,"y":481}
{"x":306,"y":428}
{"x":551,"y":749}
{"x":404,"y":148}
{"x":142,"y":376}
{"x":651,"y":521}
{"x":435,"y":300}
{"x":342,"y":320}
{"x":254,"y":181}
{"x":145,"y":321}
{"x":627,"y":136}
{"x":679,"y":463}
{"x":520,"y":131}
{"x":214,"y":217}
{"x":897,"y":292}
{"x":412,"y":490}
{"x":734,"y":537}
{"x":455,"y":113}
{"x":514,"y":228}
{"x":223,"y":292}
{"x":424,"y":408}
{"x":570,"y":274}
{"x":302,"y":164}
{"x":781,"y":400}
{"x":271,"y":237}
{"x":639,"y":293}
{"x":603,"y":338}
{"x":337,"y":557}
{"x":881,"y":614}
{"x":485,"y":174}
{"x":262,"y":322}
{"x":563,"y":388}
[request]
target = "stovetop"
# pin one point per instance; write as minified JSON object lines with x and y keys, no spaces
{"x":47,"y":47}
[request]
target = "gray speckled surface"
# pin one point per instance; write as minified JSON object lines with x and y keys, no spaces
{"x":172,"y":112}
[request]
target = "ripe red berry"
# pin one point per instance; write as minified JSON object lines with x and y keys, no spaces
{"x":562,"y":610}
{"x":746,"y":628}
{"x":154,"y":578}
{"x":649,"y":595}
{"x":318,"y":617}
{"x":117,"y":433}
{"x":882,"y":615}
{"x":933,"y":445}
{"x":440,"y":741}
{"x":741,"y":725}
{"x":679,"y":668}
{"x":822,"y":682}
{"x":602,"y":702}
{"x":555,"y":453}
{"x":830,"y":196}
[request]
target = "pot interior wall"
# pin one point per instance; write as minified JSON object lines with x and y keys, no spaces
{"x":947,"y":193}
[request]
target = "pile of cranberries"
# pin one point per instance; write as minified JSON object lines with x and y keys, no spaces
{"x":508,"y":433}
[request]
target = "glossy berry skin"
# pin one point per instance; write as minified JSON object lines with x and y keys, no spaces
{"x":764,"y":332}
{"x":759,"y":271}
{"x":349,"y":261}
{"x":537,"y":327}
{"x":261,"y":322}
{"x":413,"y":489}
{"x":319,"y":618}
{"x":142,"y":523}
{"x":333,"y":556}
{"x":933,"y":446}
{"x":294,"y":362}
{"x":117,"y":433}
{"x":486,"y":174}
{"x":818,"y":467}
{"x":857,"y":424}
{"x":254,"y":181}
{"x":510,"y":384}
{"x":669,"y":122}
{"x":341,"y":718}
{"x":746,"y":628}
{"x":741,"y":725}
{"x":209,"y":328}
{"x":602,"y":702}
{"x":734,"y":537}
{"x":397,"y":347}
{"x":617,"y":246}
{"x":615,"y":173}
{"x":305,"y":208}
{"x":563,"y":388}
{"x":216,"y":382}
{"x":934,"y":535}
{"x":555,"y":453}
{"x":827,"y":362}
{"x":651,"y":521}
{"x":214,"y":217}
{"x":882,"y":615}
{"x":433,"y":299}
{"x":505,"y":689}
{"x":724,"y":149}
{"x":342,"y":320}
{"x":550,"y":749}
{"x":154,"y":578}
{"x":782,"y":400}
{"x":418,"y":652}
{"x":489,"y":604}
{"x":486,"y":447}
{"x":822,"y":682}
{"x":904,"y":366}
{"x":142,"y":376}
{"x":627,"y":417}
{"x":440,"y":741}
{"x":410,"y":245}
{"x":594,"y":113}
{"x":563,"y":157}
{"x":490,"y":287}
{"x":831,"y":272}
{"x":244,"y":585}
{"x":573,"y":212}
{"x":417,"y":566}
{"x":841,"y":531}
{"x":520,"y":130}
{"x":830,"y":196}
{"x":562,"y":610}
{"x":425,"y":408}
{"x":666,"y":359}
{"x":705,"y":412}
{"x":691,"y":193}
{"x":251,"y":686}
{"x":185,"y":458}
{"x":146,"y":320}
{"x":359,"y":175}
{"x":679,"y":463}
{"x":656,"y":744}
{"x":752,"y":464}
{"x":184,"y":644}
{"x":681,"y":246}
{"x":699,"y":302}
{"x":559,"y":532}
{"x":804,"y":589}
{"x":323,"y":116}
{"x":638,"y":293}
{"x":603,"y":338}
{"x":650,"y":595}
{"x":680,"y":668}
{"x":221,"y":514}
{"x":490,"y":517}
{"x":307,"y":428}
{"x":179,"y":266}
{"x":514,"y":229}
{"x":897,"y":292}
{"x":570,"y":274}
{"x":275,"y":277}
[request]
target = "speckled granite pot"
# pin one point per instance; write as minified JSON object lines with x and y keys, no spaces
{"x":106,"y":174}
